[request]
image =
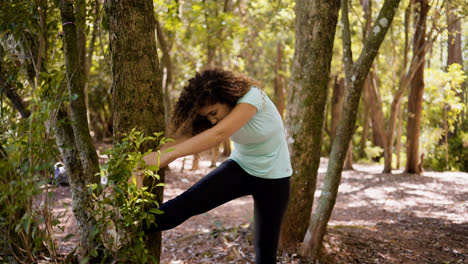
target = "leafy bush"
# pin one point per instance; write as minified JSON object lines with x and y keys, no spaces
{"x":122,"y":210}
{"x":27,"y":156}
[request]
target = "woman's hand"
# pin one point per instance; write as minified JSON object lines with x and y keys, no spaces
{"x":138,"y":177}
{"x":164,"y":159}
{"x":150,"y":159}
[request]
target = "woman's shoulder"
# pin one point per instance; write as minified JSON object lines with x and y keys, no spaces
{"x":255,"y":96}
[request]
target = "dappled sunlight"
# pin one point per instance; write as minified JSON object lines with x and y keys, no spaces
{"x":440,"y":195}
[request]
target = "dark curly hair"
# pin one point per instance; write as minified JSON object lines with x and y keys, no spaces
{"x":206,"y":88}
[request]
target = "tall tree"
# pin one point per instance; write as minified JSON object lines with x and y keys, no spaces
{"x":74,"y":141}
{"x":279,"y":88}
{"x":454,"y":46}
{"x":136,"y":77}
{"x":315,"y":31}
{"x":416,"y":89}
{"x":355,"y":75}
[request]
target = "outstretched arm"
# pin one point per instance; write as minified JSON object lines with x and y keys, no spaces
{"x":212,"y":137}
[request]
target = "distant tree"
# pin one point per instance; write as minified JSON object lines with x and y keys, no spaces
{"x":136,"y":78}
{"x":415,"y":97}
{"x":454,"y":46}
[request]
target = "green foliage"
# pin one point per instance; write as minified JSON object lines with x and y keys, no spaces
{"x":123,"y":211}
{"x":457,"y":149}
{"x":27,"y":224}
{"x":443,"y":108}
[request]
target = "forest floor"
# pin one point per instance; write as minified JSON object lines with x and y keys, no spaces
{"x":378,"y":218}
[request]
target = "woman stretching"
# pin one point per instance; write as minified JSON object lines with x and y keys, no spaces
{"x":214,"y":106}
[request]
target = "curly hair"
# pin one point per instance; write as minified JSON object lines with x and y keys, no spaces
{"x":206,"y":88}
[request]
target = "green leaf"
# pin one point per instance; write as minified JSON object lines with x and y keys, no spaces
{"x":168,"y":150}
{"x":153,"y":167}
{"x":85,"y":260}
{"x":119,"y":190}
{"x":156,"y":211}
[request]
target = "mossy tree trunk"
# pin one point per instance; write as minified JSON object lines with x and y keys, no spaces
{"x":308,"y":88}
{"x":74,"y":141}
{"x":355,"y":75}
{"x":136,"y":77}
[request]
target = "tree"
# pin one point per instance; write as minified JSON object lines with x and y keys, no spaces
{"x":454,"y":46}
{"x":355,"y":75}
{"x":416,"y":90}
{"x":136,"y":78}
{"x":308,"y":88}
{"x":74,"y":141}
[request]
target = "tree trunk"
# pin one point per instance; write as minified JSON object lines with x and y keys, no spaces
{"x":416,"y":90}
{"x":226,"y":148}
{"x":78,"y":180}
{"x":315,"y":31}
{"x":355,"y":75}
{"x":373,"y":101}
{"x":396,"y":103}
{"x":166,"y":62}
{"x":11,"y":93}
{"x":337,"y":105}
{"x":454,"y":48}
{"x":89,"y":59}
{"x":371,"y":90}
{"x":85,"y":171}
{"x":348,"y":163}
{"x":136,"y":78}
{"x":365,"y":129}
{"x":398,"y":136}
{"x":279,"y":89}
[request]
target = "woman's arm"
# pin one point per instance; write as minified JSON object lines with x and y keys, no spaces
{"x":212,"y":137}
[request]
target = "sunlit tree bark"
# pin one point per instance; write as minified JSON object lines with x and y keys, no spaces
{"x":308,"y":88}
{"x":355,"y":75}
{"x":416,"y":90}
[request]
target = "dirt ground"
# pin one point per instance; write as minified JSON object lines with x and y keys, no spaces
{"x":378,"y":218}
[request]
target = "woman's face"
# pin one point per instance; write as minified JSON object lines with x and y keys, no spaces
{"x":215,"y":113}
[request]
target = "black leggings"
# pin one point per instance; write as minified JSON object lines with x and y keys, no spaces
{"x":225,"y":183}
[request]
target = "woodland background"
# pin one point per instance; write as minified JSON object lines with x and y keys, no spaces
{"x":359,"y":82}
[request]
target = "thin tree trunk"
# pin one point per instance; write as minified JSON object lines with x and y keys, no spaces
{"x":308,"y":88}
{"x":355,"y":75}
{"x":78,"y":180}
{"x":371,"y":92}
{"x":87,"y":172}
{"x":226,"y":148}
{"x":398,"y":136}
{"x":136,"y":78}
{"x":337,"y":105}
{"x":11,"y":93}
{"x":89,"y":58}
{"x":365,"y":129}
{"x":279,"y":88}
{"x":348,"y":163}
{"x":75,"y":84}
{"x":416,"y":91}
{"x":396,"y":104}
{"x":166,"y":62}
{"x":454,"y":49}
{"x":373,"y":101}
